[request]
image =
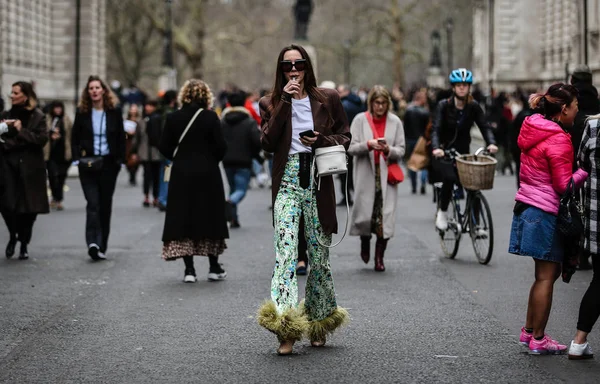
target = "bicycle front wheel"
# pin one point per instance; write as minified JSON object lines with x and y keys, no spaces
{"x":450,"y":239}
{"x":481,"y":228}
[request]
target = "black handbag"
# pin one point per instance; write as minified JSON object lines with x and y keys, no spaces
{"x":445,"y":170}
{"x":570,"y":213}
{"x":91,"y":163}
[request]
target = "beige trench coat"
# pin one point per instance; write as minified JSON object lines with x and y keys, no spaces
{"x":364,"y":174}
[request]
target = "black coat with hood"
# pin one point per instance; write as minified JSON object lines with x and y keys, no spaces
{"x":242,"y":137}
{"x":588,"y":105}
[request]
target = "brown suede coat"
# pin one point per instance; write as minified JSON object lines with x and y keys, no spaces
{"x":276,"y":137}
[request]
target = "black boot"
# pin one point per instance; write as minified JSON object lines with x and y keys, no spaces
{"x":380,"y":246}
{"x":23,"y":255}
{"x":365,"y":248}
{"x":10,"y":247}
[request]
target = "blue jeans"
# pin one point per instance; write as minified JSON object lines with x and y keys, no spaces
{"x":164,"y":185}
{"x":410,"y":146}
{"x":238,"y":179}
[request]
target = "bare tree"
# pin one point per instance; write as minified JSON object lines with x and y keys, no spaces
{"x":131,"y":40}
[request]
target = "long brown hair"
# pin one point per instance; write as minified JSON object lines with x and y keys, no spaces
{"x":550,"y":103}
{"x":110,"y":101}
{"x":27,"y":89}
{"x":310,"y":81}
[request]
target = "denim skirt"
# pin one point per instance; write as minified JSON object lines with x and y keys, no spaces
{"x":533,"y":233}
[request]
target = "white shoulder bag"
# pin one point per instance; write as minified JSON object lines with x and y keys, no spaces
{"x":167,"y":175}
{"x":330,"y":161}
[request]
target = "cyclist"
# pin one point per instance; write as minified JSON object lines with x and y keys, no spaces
{"x":451,"y":128}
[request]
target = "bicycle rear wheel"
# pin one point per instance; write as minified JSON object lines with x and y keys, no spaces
{"x":450,"y":239}
{"x":481,"y":228}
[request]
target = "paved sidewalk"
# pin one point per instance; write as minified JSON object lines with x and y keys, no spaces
{"x":130,"y":319}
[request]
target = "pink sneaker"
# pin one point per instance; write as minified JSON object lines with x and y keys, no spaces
{"x":546,"y":346}
{"x":525,"y":337}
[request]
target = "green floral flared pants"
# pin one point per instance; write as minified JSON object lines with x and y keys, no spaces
{"x":291,"y":201}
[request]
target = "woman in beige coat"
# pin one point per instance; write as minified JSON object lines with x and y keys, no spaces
{"x":377,"y":141}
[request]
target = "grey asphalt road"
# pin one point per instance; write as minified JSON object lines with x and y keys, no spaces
{"x":130,"y":319}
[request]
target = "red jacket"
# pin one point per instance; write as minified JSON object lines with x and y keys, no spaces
{"x":546,"y":164}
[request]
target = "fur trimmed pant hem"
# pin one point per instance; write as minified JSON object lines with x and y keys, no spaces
{"x":318,"y":329}
{"x":292,"y":324}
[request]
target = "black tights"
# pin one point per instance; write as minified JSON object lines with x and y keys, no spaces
{"x":589,"y":311}
{"x":189,"y":261}
{"x":20,"y":225}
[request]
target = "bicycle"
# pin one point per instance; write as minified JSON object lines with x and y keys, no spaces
{"x":476,"y":219}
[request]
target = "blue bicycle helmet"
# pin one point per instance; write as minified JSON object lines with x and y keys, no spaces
{"x":461,"y":75}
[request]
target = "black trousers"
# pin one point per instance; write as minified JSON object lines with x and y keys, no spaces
{"x":57,"y":174}
{"x":98,"y":189}
{"x":152,"y":177}
{"x":20,"y":225}
{"x":302,"y":245}
{"x":589,"y":310}
{"x":350,"y":178}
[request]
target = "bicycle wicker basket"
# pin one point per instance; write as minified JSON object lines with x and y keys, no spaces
{"x":476,"y":172}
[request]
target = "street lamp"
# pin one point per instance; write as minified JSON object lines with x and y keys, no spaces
{"x":347,"y":44}
{"x":449,"y":24}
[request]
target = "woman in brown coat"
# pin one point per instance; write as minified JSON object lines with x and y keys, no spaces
{"x":57,"y":151}
{"x":294,"y":108}
{"x":23,"y":172}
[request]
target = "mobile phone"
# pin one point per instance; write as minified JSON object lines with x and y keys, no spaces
{"x":381,"y":140}
{"x":309,"y":133}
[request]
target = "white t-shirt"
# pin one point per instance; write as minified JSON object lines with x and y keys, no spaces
{"x":302,"y":120}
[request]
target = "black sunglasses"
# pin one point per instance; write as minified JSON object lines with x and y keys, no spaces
{"x":286,"y":65}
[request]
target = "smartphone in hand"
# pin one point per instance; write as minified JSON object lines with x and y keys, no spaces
{"x":381,"y":141}
{"x":309,"y":133}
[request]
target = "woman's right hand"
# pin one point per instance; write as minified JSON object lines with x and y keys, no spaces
{"x":438,"y":153}
{"x":374,"y":145}
{"x":292,"y":87}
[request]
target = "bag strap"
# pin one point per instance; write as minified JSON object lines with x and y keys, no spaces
{"x":372,"y":124}
{"x":186,"y":129}
{"x":314,"y":201}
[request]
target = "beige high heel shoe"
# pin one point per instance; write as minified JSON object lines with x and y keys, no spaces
{"x":286,"y":347}
{"x":318,"y":343}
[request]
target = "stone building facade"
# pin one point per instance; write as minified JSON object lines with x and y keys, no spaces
{"x":532,"y":43}
{"x":37,"y":44}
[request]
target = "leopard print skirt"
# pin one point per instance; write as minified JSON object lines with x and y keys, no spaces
{"x":173,"y":250}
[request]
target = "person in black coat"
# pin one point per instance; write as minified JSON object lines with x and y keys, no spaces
{"x":353,"y":105}
{"x":195,"y":222}
{"x":98,"y":145}
{"x":242,"y":136}
{"x":22,"y":168}
{"x":589,"y":105}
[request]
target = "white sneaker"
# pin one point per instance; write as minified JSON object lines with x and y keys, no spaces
{"x":481,"y":233}
{"x":217,"y":274}
{"x":101,"y":255}
{"x":441,"y":221}
{"x":189,"y":279}
{"x":580,"y":351}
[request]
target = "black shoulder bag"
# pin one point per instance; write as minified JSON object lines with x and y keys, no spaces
{"x":570,"y":213}
{"x":93,"y":163}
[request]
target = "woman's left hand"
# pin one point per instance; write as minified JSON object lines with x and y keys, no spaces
{"x":309,"y":141}
{"x":386,"y":149}
{"x":492,"y":149}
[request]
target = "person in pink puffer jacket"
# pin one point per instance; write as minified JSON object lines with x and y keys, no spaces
{"x":546,"y":170}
